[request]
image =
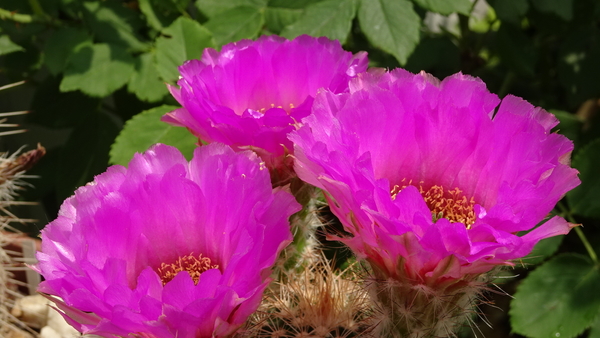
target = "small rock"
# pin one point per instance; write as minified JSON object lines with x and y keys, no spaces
{"x":32,"y":310}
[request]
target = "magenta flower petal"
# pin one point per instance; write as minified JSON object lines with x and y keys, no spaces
{"x":106,"y":257}
{"x":251,"y":93}
{"x":429,"y":178}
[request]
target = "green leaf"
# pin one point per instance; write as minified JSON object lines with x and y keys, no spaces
{"x":516,"y":50}
{"x":562,"y":8}
{"x":446,"y":7}
{"x":98,"y":70}
{"x":145,"y":82}
{"x":595,"y":331}
{"x":53,"y":109}
{"x":185,"y":39}
{"x":277,"y":18}
{"x":510,"y":10}
{"x":211,"y":8}
{"x":296,"y":4}
{"x":558,"y":299}
{"x":7,"y":46}
{"x":156,"y":17}
{"x":85,"y":154}
{"x":542,"y":250}
{"x":570,"y":124}
{"x":585,"y":199}
{"x":243,"y":22}
{"x":61,"y":45}
{"x":146,"y":129}
{"x":331,"y":18}
{"x":112,"y":22}
{"x":391,"y":25}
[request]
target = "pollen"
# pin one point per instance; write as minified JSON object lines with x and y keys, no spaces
{"x":287,"y":109}
{"x":451,"y":204}
{"x":195,"y":266}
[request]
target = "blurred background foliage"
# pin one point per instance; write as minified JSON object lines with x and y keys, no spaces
{"x":96,"y":70}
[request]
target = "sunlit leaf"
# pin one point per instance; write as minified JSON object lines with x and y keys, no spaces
{"x":276,"y":19}
{"x":146,"y":129}
{"x":243,"y":22}
{"x":145,"y":82}
{"x":211,"y":8}
{"x":98,"y":70}
{"x":156,"y":16}
{"x":446,"y":7}
{"x":391,"y":25}
{"x":331,"y":18}
{"x":7,"y":46}
{"x":185,"y":39}
{"x":112,"y":22}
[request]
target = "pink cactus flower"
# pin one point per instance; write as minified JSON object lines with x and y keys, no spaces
{"x":435,"y":180}
{"x":251,"y":94}
{"x":167,"y":248}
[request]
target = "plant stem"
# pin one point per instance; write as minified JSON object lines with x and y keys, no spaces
{"x":587,"y":245}
{"x":567,"y":215}
{"x":8,"y":15}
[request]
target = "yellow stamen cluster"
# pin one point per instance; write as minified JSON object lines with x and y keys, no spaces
{"x":194,"y":266}
{"x":263,"y":110}
{"x":452,"y":204}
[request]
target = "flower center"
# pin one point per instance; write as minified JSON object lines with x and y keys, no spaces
{"x":291,"y":106}
{"x":194,"y":266}
{"x":451,"y":204}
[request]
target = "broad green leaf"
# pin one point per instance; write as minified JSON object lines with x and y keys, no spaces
{"x":53,"y":109}
{"x":184,"y":40}
{"x":562,"y":8}
{"x":145,"y":82}
{"x":98,"y":70}
{"x":277,"y":18}
{"x":595,"y":331}
{"x":585,"y":199}
{"x":570,"y":124}
{"x":542,"y":250}
{"x":61,"y":45}
{"x":85,"y":154}
{"x":156,"y":17}
{"x":510,"y":10}
{"x":243,"y":22}
{"x":112,"y":22}
{"x":391,"y":25}
{"x":7,"y":46}
{"x":296,"y":4}
{"x":558,"y":299}
{"x":331,"y":18}
{"x":146,"y":129}
{"x":446,"y":7}
{"x":211,"y":8}
{"x":516,"y":50}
